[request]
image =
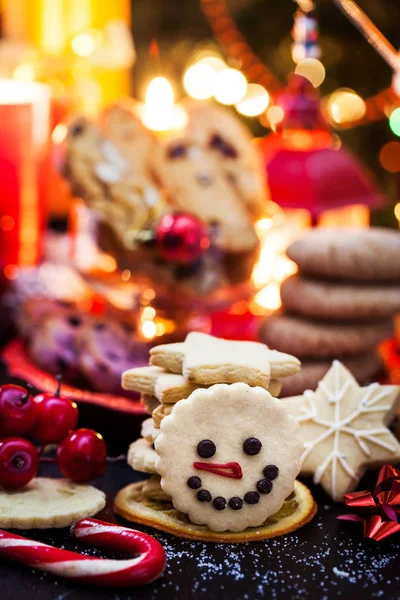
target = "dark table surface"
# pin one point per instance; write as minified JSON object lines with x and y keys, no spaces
{"x":323,"y":560}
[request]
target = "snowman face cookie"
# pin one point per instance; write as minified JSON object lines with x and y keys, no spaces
{"x":228,"y":456}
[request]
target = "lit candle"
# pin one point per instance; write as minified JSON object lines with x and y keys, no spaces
{"x":24,"y":118}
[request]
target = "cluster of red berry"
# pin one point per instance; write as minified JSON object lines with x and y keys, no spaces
{"x":47,"y":419}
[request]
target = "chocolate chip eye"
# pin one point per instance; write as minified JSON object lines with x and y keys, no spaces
{"x":252,"y":497}
{"x":264,"y":486}
{"x":236,"y":503}
{"x":194,"y":483}
{"x":218,"y":143}
{"x":204,"y":496}
{"x":271,"y":472}
{"x":206,"y":449}
{"x":252,"y":446}
{"x":176,"y":151}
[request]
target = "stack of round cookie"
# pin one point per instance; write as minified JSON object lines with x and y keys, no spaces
{"x":340,"y":305}
{"x":177,"y":370}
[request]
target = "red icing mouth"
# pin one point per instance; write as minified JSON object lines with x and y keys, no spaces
{"x":232,"y":469}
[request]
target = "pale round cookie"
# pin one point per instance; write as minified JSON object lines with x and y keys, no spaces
{"x":362,"y":366}
{"x":148,"y":431}
{"x":305,"y":338}
{"x":228,"y":456}
{"x":142,"y":456}
{"x":338,"y":300}
{"x":362,"y":255}
{"x":46,"y":503}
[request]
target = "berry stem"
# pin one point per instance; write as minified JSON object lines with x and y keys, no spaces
{"x":59,"y":382}
{"x":29,"y":389}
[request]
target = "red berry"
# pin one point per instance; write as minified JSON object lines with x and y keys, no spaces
{"x":82,"y":455}
{"x":56,"y":417}
{"x":19,"y":462}
{"x":181,"y":238}
{"x":18,"y":412}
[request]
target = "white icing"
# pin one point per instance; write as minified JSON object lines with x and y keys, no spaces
{"x":340,"y":425}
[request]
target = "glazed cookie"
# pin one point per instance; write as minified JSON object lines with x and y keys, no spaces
{"x":362,"y":255}
{"x":171,"y":357}
{"x":228,"y":456}
{"x":231,"y":146}
{"x":142,"y":457}
{"x":344,"y":430}
{"x":337,"y":300}
{"x":106,"y":350}
{"x":194,"y":183}
{"x":304,"y":337}
{"x":362,"y":367}
{"x":45,"y":503}
{"x":148,"y":431}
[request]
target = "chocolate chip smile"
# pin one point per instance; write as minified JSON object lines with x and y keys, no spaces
{"x":231,"y":469}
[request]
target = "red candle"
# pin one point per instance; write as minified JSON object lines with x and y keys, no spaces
{"x":24,"y":133}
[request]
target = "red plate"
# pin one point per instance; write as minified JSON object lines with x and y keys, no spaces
{"x":20,"y":365}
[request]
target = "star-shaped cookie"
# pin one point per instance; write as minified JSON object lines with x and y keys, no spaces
{"x":344,"y":429}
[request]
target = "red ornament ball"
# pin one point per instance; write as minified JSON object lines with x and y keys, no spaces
{"x":82,"y":455}
{"x":56,"y":417}
{"x":19,"y":462}
{"x":181,"y":238}
{"x":18,"y":411}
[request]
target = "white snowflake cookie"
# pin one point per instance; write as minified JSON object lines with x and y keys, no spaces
{"x":228,"y":456}
{"x":344,"y":429}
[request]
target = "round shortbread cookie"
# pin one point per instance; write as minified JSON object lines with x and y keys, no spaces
{"x":45,"y":503}
{"x":316,"y":339}
{"x":362,"y":366}
{"x":142,"y":457}
{"x":363,"y":255}
{"x":148,"y":431}
{"x":327,"y":300}
{"x":131,"y":504}
{"x":228,"y":456}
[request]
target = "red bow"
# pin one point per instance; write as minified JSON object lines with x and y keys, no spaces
{"x":383,"y":502}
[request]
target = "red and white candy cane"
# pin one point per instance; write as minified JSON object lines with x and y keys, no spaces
{"x":147,"y":564}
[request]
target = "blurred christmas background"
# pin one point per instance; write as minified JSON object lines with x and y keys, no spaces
{"x":322,"y":103}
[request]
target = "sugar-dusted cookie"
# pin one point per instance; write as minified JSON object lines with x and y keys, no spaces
{"x":361,"y":366}
{"x":138,"y":503}
{"x":148,"y":431}
{"x":231,"y":146}
{"x":211,"y":360}
{"x":172,"y":356}
{"x":149,"y":402}
{"x":45,"y":503}
{"x":362,"y":255}
{"x":195,"y":183}
{"x":166,"y":387}
{"x":108,"y":165}
{"x":344,"y":429}
{"x":228,"y":456}
{"x":142,"y":456}
{"x":162,"y":411}
{"x":339,"y":300}
{"x":303,"y":337}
